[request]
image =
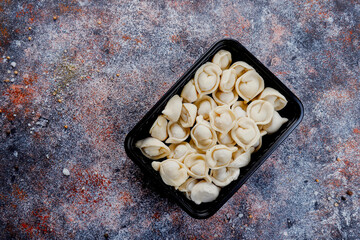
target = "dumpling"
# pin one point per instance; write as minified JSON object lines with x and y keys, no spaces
{"x":173,"y":108}
{"x":159,"y":128}
{"x":203,"y":192}
{"x":189,"y":92}
{"x":275,"y":124}
{"x":240,"y":68}
{"x":223,"y":59}
{"x":249,"y":85}
{"x":219,"y":156}
{"x":187,"y":186}
{"x":258,"y":144}
{"x":245,"y":133}
{"x":241,"y":158}
{"x":188,"y":115}
{"x":224,"y":176}
{"x":196,"y":165}
{"x":172,"y":172}
{"x":260,"y":111}
{"x":227,"y":80}
{"x":239,"y":109}
{"x":193,"y":145}
{"x":274,"y":97}
{"x":225,"y":98}
{"x":222,"y":119}
{"x":202,"y":134}
{"x":180,"y":151}
{"x":225,"y":139}
{"x":205,"y":104}
{"x":153,"y":148}
{"x":177,"y":133}
{"x":207,"y":78}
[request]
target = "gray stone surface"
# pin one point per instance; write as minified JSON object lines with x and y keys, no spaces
{"x":67,"y":76}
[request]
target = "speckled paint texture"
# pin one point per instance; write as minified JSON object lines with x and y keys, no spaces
{"x":101,"y":65}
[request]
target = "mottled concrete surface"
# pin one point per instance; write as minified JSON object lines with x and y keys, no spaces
{"x":101,"y":65}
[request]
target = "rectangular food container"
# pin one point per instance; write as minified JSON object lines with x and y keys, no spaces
{"x":294,"y":111}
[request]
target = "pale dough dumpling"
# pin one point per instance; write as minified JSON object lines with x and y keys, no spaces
{"x":173,"y":108}
{"x":180,"y":151}
{"x":207,"y":78}
{"x":159,"y":128}
{"x":177,"y":133}
{"x":187,"y":186}
{"x":189,"y":92}
{"x":239,"y":109}
{"x":219,"y":156}
{"x":153,"y":148}
{"x":240,"y":68}
{"x":260,"y":111}
{"x":196,"y":165}
{"x":258,"y":144}
{"x":275,"y":124}
{"x":223,"y":176}
{"x":172,"y":172}
{"x":204,"y":105}
{"x":249,"y":85}
{"x":274,"y":97}
{"x":203,"y":135}
{"x":188,"y":115}
{"x":241,"y":158}
{"x":225,"y":139}
{"x":203,"y":192}
{"x":223,"y":59}
{"x":225,"y":98}
{"x":227,"y":80}
{"x":222,"y":119}
{"x":245,"y":133}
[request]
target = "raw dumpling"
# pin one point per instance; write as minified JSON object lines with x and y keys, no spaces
{"x":180,"y":151}
{"x":225,"y":139}
{"x":153,"y":148}
{"x":189,"y":92}
{"x":172,"y":172}
{"x":223,"y":59}
{"x":245,"y":133}
{"x":205,"y":104}
{"x":239,"y":109}
{"x":219,"y":156}
{"x":222,"y":119}
{"x":159,"y":128}
{"x":203,"y":135}
{"x":275,"y":124}
{"x":240,"y":68}
{"x":225,"y":98}
{"x":258,"y":144}
{"x":207,"y":78}
{"x":274,"y":97}
{"x":187,"y":186}
{"x":241,"y":158}
{"x":203,"y":192}
{"x":196,"y":165}
{"x":173,"y":108}
{"x":188,"y":115}
{"x":177,"y":133}
{"x":260,"y":111}
{"x":223,"y":176}
{"x":249,"y":85}
{"x":227,"y":80}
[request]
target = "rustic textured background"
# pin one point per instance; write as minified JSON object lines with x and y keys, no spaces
{"x":101,"y":65}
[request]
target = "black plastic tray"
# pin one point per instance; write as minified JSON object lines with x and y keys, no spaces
{"x":294,"y":111}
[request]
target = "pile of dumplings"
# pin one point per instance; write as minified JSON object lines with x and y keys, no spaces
{"x":210,"y":131}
